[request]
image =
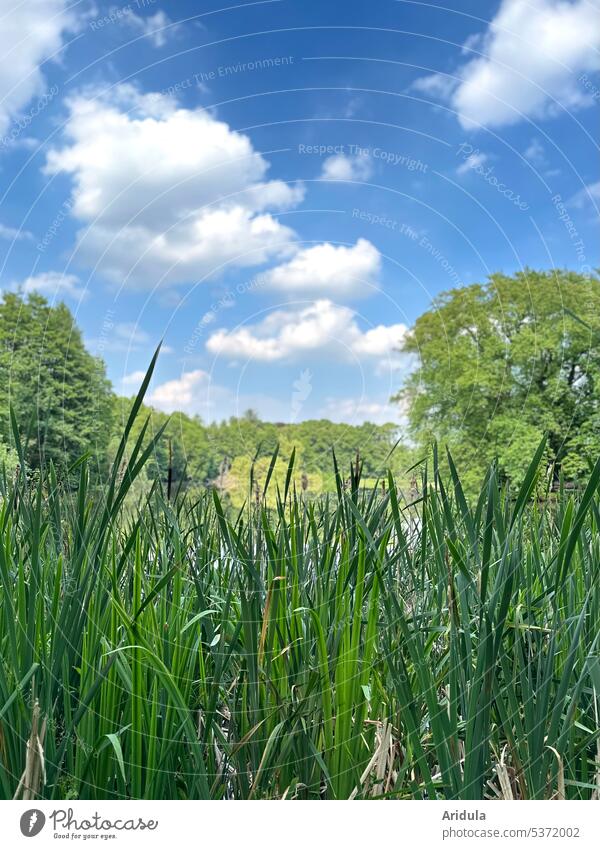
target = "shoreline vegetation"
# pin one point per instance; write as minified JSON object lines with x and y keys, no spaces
{"x":355,"y":646}
{"x":249,"y":610}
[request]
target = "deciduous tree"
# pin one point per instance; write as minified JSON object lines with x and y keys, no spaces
{"x":502,"y":363}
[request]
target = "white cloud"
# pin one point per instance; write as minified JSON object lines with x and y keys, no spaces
{"x":436,"y":85}
{"x":169,"y":194}
{"x":471,"y":162}
{"x":379,"y":341}
{"x":158,"y":28}
{"x":473,"y":43}
{"x":195,"y":393}
{"x":358,"y":410}
{"x":535,"y":154}
{"x":532,"y":54}
{"x":589,"y":194}
{"x":134,"y":379}
{"x":13,"y":234}
{"x":328,"y":269}
{"x":342,"y":167}
{"x":178,"y":393}
{"x":53,"y":284}
{"x":322,"y":327}
{"x":32,"y":33}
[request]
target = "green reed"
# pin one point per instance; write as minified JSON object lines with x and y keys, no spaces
{"x":353,"y":647}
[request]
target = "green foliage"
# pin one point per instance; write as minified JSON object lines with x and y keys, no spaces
{"x":9,"y":459}
{"x":222,"y":454}
{"x":341,"y":648}
{"x":58,"y":390}
{"x":501,"y":364}
{"x":185,"y":444}
{"x":370,"y":641}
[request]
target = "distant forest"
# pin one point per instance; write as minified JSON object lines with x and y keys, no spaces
{"x":499,"y":366}
{"x":65,"y":407}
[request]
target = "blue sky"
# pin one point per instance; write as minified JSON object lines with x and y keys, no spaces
{"x":278,"y":189}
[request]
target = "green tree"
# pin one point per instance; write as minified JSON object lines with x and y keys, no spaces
{"x":60,"y":393}
{"x":193,"y":458}
{"x":502,"y":363}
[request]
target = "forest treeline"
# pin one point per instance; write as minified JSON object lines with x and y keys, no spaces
{"x":499,"y":365}
{"x":65,"y":407}
{"x":222,"y":454}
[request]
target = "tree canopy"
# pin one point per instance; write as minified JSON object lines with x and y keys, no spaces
{"x":499,"y":365}
{"x":222,"y":453}
{"x":58,"y":390}
{"x":502,"y":363}
{"x":65,"y":407}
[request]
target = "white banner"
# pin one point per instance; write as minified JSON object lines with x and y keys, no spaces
{"x":424,"y":825}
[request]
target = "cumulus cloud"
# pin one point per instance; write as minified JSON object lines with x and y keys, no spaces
{"x":342,"y":167}
{"x":321,"y":327}
{"x":532,"y":55}
{"x":132,"y":382}
{"x":379,"y":341}
{"x":195,"y":393}
{"x":134,"y":379}
{"x":472,"y":161}
{"x":157,"y":28}
{"x":328,"y":269}
{"x":169,"y":194}
{"x":180,"y":393}
{"x":32,"y":33}
{"x":53,"y":284}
